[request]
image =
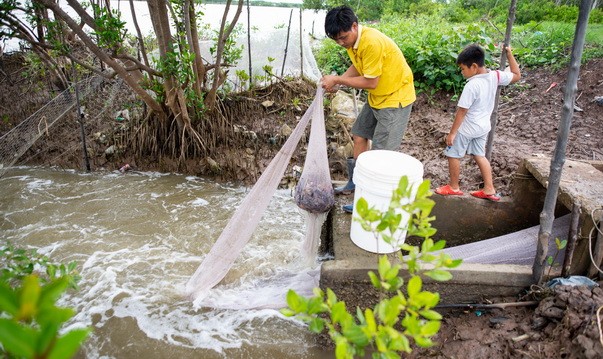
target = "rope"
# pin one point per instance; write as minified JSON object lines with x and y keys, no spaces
{"x":590,"y":235}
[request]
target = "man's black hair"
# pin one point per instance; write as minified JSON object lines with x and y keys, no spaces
{"x":472,"y":54}
{"x":339,"y":19}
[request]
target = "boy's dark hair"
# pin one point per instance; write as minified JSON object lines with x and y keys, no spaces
{"x":472,"y":54}
{"x":339,"y":19}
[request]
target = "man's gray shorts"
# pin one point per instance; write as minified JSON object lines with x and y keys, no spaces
{"x":385,"y":127}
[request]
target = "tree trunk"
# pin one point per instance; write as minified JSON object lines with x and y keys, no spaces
{"x":143,"y":50}
{"x":219,"y":76}
{"x":548,"y":212}
{"x":503,"y":60}
{"x":117,"y":67}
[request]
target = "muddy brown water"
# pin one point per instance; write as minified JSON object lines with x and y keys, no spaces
{"x":138,"y":237}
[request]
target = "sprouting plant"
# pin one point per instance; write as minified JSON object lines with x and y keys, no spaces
{"x":296,"y":101}
{"x":243,"y":78}
{"x":559,"y":245}
{"x":406,"y":310}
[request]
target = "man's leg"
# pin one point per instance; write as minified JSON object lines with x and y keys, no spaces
{"x":390,"y":128}
{"x":362,"y":132}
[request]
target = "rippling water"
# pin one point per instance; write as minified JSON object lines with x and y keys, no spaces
{"x":138,"y":237}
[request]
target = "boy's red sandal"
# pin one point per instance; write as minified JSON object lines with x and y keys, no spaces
{"x":481,"y":194}
{"x":448,"y":191}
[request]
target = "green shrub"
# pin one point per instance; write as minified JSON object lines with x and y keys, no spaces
{"x":405,"y":311}
{"x":30,"y":322}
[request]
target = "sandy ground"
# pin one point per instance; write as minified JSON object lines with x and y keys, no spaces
{"x":562,"y":325}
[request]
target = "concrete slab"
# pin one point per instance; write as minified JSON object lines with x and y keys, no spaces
{"x":581,"y":182}
{"x":471,"y":283}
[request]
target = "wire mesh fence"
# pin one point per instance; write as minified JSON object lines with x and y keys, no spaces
{"x":18,"y":140}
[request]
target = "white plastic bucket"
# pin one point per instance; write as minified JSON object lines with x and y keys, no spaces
{"x":377,"y":174}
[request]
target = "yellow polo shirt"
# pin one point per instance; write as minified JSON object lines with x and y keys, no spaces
{"x":376,"y":55}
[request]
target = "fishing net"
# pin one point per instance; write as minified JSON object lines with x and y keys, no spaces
{"x":242,"y":224}
{"x":314,"y":191}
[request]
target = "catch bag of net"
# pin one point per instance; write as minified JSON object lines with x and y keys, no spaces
{"x":314,"y":191}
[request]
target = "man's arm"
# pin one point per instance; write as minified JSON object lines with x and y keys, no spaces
{"x":350,"y":78}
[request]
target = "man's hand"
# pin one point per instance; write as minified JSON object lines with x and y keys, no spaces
{"x":329,"y":83}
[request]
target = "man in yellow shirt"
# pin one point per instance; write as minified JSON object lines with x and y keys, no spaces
{"x":379,"y":67}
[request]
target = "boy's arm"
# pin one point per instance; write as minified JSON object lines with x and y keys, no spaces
{"x":458,"y":120}
{"x":513,"y":65}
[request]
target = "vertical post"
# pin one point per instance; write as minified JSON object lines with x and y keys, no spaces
{"x":287,"y":44}
{"x":80,"y":116}
{"x":249,"y":43}
{"x":503,"y":61}
{"x":301,"y":42}
{"x":548,"y":211}
{"x":572,"y":237}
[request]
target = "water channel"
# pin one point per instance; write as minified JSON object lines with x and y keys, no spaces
{"x":138,"y":237}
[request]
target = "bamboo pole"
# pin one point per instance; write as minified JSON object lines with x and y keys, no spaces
{"x":80,"y":120}
{"x":249,"y":43}
{"x":548,"y":211}
{"x":301,"y":43}
{"x":503,"y":64}
{"x":287,"y":44}
{"x":571,"y":240}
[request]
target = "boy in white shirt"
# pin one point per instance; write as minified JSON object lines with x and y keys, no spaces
{"x":471,"y":125}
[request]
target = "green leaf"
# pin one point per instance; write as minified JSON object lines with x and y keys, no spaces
{"x":67,"y":345}
{"x":423,"y":342}
{"x":430,"y":315}
{"x":374,"y":280}
{"x":414,"y":285}
{"x":53,"y":291}
{"x":439,"y":275}
{"x":317,"y":325}
{"x":316,"y":305}
{"x":342,"y":350}
{"x":356,"y":335}
{"x":331,"y":297}
{"x":431,"y":328}
{"x":16,"y":339}
{"x":47,"y":335}
{"x":287,"y":312}
{"x":439,"y":245}
{"x":28,"y":297}
{"x":371,"y":324}
{"x":9,"y":302}
{"x":295,"y":301}
{"x":339,"y":313}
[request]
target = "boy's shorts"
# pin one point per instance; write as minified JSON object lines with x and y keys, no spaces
{"x":385,"y":127}
{"x":466,"y":145}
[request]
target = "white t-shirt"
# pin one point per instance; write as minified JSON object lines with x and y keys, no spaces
{"x":478,"y":96}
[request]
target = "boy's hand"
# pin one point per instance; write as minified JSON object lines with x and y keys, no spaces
{"x":450,"y":138}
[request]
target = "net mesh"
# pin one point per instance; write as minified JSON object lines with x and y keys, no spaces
{"x":19,"y":139}
{"x":242,"y":224}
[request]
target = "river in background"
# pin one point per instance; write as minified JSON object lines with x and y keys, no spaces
{"x":138,"y":237}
